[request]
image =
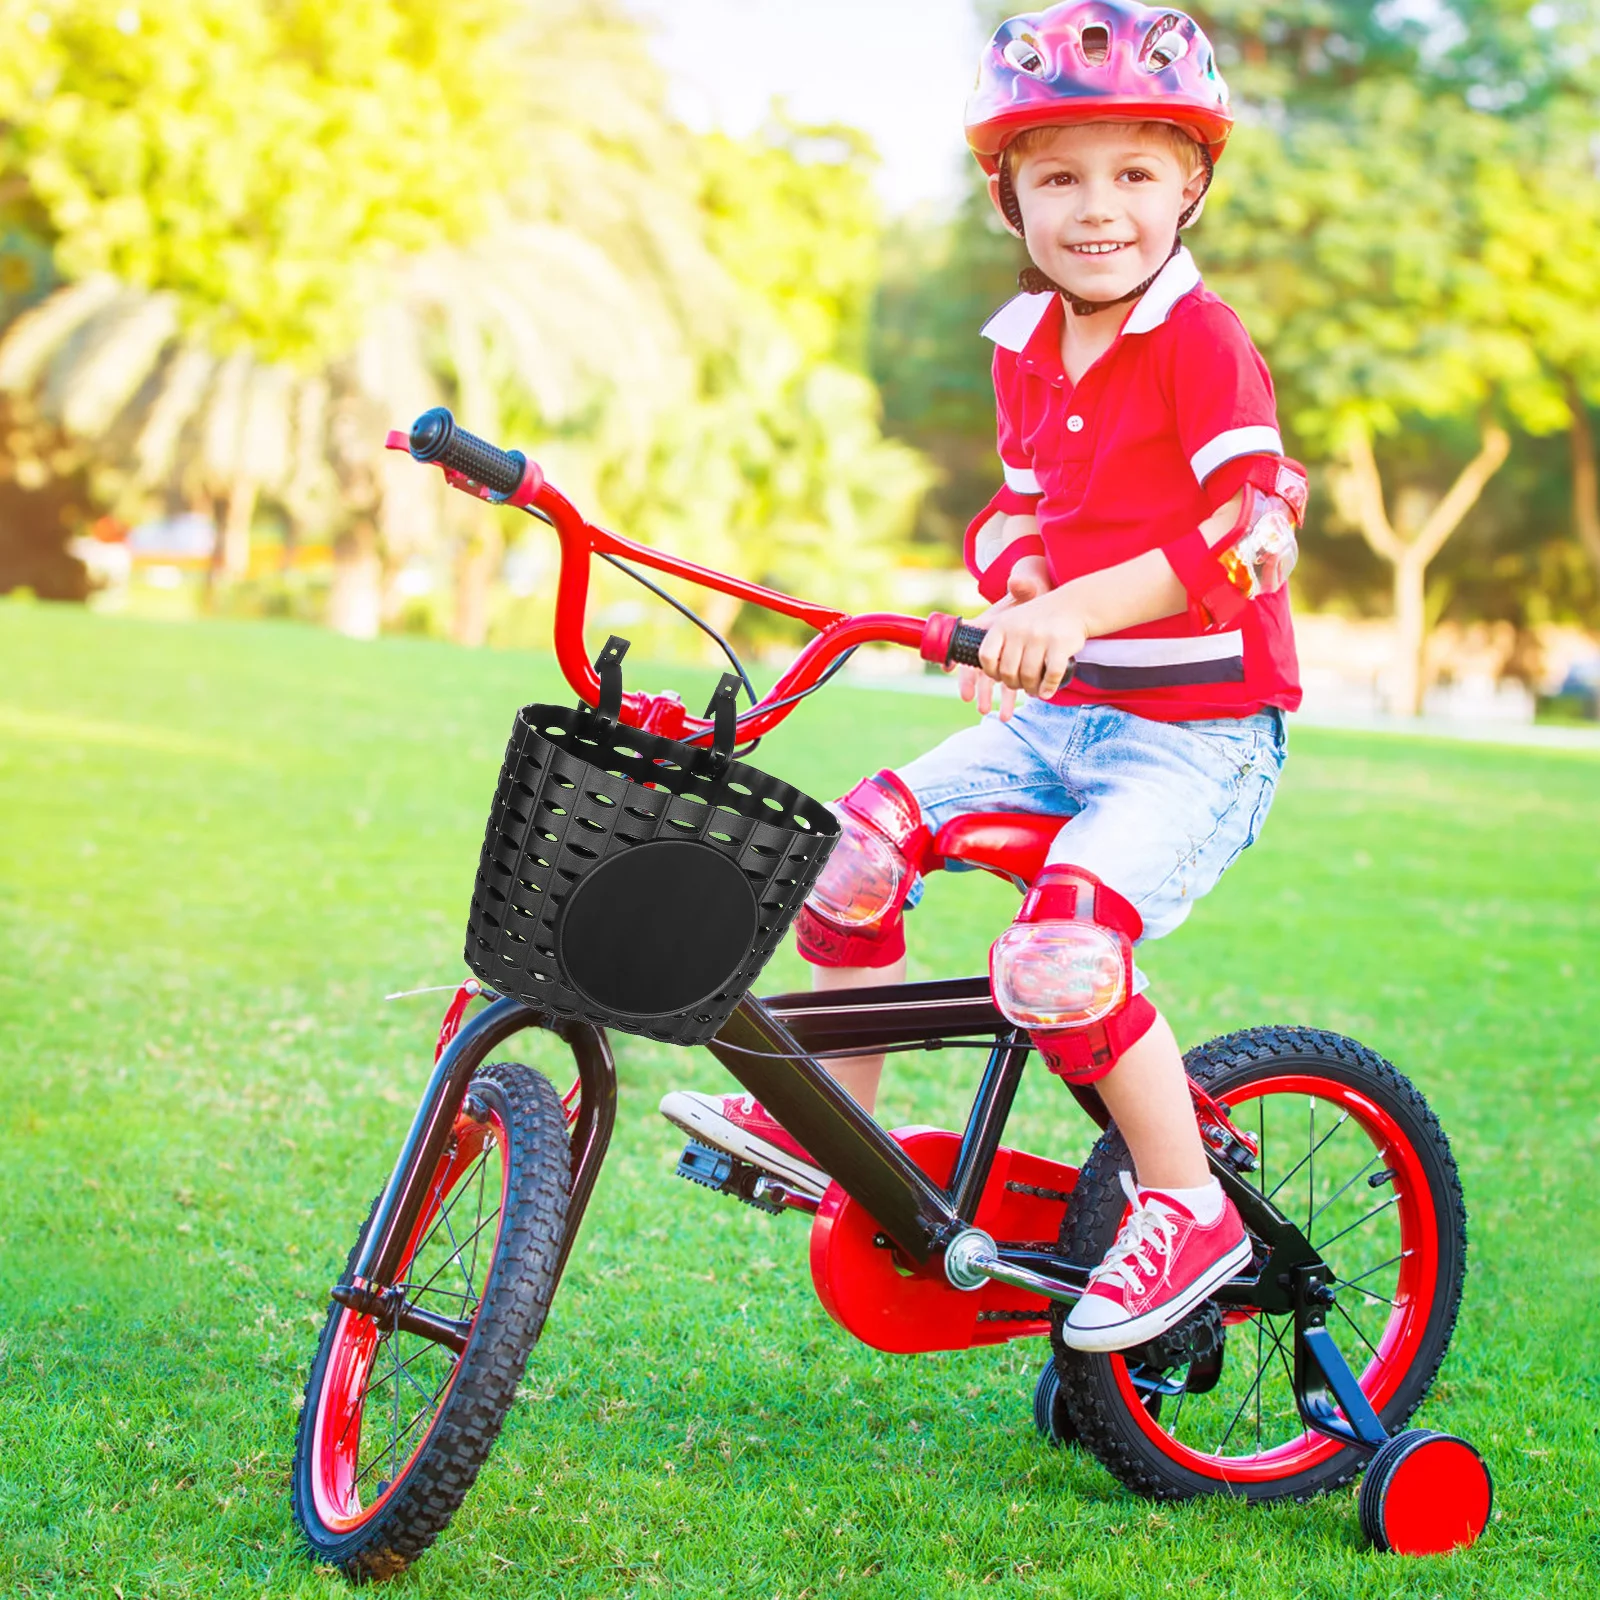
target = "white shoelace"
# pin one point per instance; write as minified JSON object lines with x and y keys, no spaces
{"x":745,"y":1102}
{"x":1148,"y":1232}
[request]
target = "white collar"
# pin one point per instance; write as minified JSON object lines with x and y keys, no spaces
{"x":1014,"y":324}
{"x":1173,"y":282}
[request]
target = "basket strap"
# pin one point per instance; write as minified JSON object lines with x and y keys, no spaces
{"x":724,"y":708}
{"x":608,"y":665}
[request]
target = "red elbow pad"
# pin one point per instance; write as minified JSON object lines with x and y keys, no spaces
{"x":992,"y":579}
{"x":1218,"y":582}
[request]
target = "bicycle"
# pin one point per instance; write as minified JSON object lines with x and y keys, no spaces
{"x":926,"y":1239}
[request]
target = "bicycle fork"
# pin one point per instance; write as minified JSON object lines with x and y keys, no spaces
{"x":464,"y":1046}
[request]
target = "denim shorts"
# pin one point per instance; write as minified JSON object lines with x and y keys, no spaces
{"x":1159,"y":810}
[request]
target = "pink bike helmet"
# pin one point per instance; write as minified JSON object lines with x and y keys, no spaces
{"x":1094,"y":60}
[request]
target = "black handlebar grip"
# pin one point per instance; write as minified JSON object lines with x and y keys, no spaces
{"x":965,"y":643}
{"x":435,"y":437}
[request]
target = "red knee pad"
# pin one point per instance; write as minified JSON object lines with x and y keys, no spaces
{"x":855,"y":913}
{"x":1064,"y":971}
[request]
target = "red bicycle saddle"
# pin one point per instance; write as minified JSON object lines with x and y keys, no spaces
{"x":1012,"y":844}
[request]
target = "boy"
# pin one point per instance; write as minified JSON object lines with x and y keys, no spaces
{"x":1134,"y":561}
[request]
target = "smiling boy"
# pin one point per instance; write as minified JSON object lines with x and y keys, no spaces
{"x":1134,"y":559}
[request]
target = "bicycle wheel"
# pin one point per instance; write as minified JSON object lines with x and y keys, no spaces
{"x":1351,"y":1154}
{"x":395,"y":1426}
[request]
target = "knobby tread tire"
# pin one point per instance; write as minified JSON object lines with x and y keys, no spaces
{"x":1088,"y":1390}
{"x":516,"y":1300}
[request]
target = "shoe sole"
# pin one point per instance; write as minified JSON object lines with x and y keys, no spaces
{"x":1142,"y":1329}
{"x":712,"y":1128}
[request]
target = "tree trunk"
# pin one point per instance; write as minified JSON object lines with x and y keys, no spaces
{"x":1360,"y":492}
{"x":1408,"y":679}
{"x":1585,"y":477}
{"x":236,"y":520}
{"x":353,"y":606}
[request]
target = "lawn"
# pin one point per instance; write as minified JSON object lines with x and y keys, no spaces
{"x":221,"y":845}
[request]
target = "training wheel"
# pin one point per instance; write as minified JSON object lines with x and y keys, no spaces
{"x":1049,"y":1411}
{"x":1425,"y":1493}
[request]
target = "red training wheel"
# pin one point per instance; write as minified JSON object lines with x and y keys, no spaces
{"x":1425,"y":1493}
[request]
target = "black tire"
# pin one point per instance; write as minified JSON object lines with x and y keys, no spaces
{"x":475,"y":1389}
{"x":1178,"y":1460}
{"x":1049,"y":1413}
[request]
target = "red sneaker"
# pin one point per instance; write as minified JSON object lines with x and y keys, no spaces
{"x":1161,"y":1267}
{"x":741,"y":1126}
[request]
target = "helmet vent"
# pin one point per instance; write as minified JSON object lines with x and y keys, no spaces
{"x":1164,"y":44}
{"x":1026,"y":54}
{"x":1096,"y":42}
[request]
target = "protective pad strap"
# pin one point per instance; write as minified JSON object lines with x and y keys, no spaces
{"x":825,"y":944}
{"x":1064,"y":893}
{"x":1081,"y":1055}
{"x":874,"y":935}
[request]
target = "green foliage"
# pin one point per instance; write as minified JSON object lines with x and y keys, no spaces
{"x":1355,"y":245}
{"x":792,"y":216}
{"x":265,"y":160}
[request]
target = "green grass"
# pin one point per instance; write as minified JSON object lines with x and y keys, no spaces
{"x":220,"y":845}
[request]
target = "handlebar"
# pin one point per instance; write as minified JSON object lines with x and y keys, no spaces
{"x":434,"y":436}
{"x":507,"y":477}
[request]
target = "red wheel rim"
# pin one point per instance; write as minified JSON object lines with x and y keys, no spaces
{"x":353,"y":1369}
{"x":1389,"y":1351}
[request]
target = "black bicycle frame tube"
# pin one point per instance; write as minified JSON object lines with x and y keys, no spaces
{"x":406,"y":1192}
{"x":990,"y":1108}
{"x":843,"y":1140}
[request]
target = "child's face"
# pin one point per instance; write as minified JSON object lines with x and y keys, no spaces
{"x":1100,"y":205}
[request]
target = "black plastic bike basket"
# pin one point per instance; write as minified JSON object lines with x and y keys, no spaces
{"x":633,"y":880}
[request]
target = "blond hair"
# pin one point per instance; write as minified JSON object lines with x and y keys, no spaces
{"x":1177,"y":140}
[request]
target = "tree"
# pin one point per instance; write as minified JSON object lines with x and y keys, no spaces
{"x":264,"y":160}
{"x":1360,"y":248}
{"x":632,"y":297}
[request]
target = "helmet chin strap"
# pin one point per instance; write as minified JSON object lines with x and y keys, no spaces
{"x":1032,"y":281}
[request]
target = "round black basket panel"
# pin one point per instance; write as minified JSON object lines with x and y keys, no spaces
{"x":657,"y":929}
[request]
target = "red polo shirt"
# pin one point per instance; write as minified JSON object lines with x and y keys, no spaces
{"x":1156,"y":435}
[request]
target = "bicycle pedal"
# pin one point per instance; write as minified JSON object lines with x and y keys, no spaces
{"x":716,"y":1169}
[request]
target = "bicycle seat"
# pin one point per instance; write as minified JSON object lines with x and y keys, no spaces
{"x":1011,"y":844}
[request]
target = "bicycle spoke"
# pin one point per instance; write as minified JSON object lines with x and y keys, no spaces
{"x":1356,"y":1329}
{"x":1377,"y":1211}
{"x":1255,"y":1386}
{"x":472,"y":1294}
{"x":1311,"y":1161}
{"x":1261,"y":1137}
{"x":1344,"y":1117}
{"x":1258,"y":1386}
{"x":455,"y":1251}
{"x":1377,"y":1156}
{"x":472,"y":1271}
{"x":1351,"y":1282}
{"x":1381,"y":1299}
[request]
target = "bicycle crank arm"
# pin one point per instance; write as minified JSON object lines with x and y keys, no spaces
{"x":972,"y":1259}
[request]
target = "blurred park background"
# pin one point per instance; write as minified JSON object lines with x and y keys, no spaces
{"x":240,"y":239}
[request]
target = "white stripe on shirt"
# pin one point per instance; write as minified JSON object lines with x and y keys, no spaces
{"x":1022,"y":479}
{"x":1162,"y":652}
{"x":1256,"y":441}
